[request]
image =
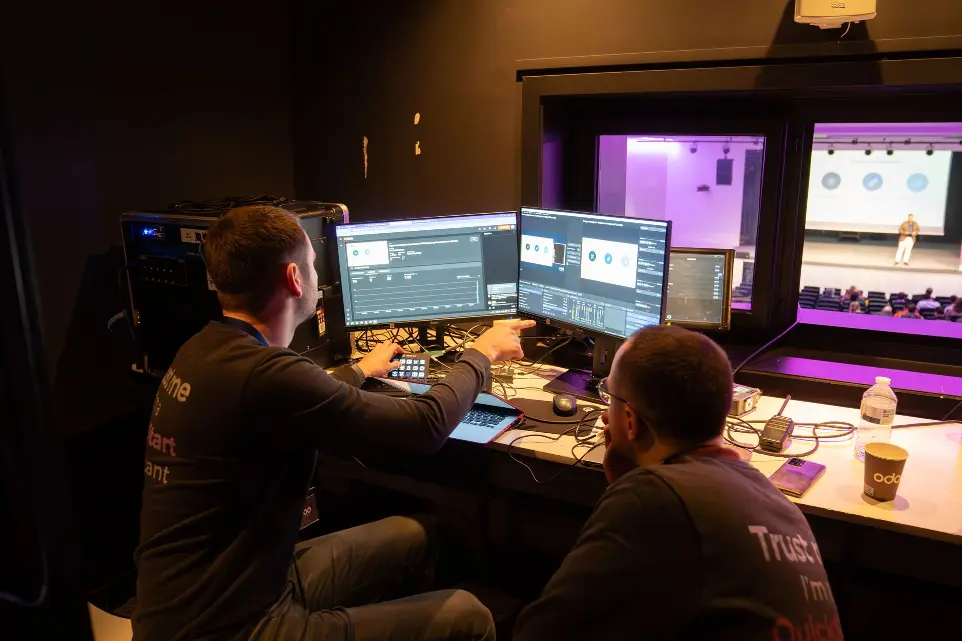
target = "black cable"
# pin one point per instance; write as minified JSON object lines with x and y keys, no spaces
{"x":735,"y":425}
{"x":581,"y":441}
{"x":763,"y":348}
{"x":952,"y":411}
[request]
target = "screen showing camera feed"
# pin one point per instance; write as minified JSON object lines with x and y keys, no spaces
{"x":709,"y":187}
{"x":883,"y":223}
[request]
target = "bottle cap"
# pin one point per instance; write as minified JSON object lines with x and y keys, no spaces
{"x":883,"y":380}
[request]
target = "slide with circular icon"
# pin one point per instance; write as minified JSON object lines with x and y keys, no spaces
{"x":538,"y":250}
{"x":854,"y":192}
{"x":370,"y":253}
{"x":610,"y":262}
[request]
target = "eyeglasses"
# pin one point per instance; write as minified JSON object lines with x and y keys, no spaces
{"x":606,"y":395}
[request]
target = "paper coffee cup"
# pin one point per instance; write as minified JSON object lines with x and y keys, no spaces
{"x":884,"y":463}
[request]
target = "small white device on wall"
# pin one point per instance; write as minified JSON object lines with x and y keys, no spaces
{"x":832,"y":14}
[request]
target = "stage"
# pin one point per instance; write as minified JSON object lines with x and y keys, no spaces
{"x":869,"y":265}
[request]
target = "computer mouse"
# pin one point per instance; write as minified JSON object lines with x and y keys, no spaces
{"x":565,"y":405}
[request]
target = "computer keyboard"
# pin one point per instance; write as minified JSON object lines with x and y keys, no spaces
{"x":483,"y":418}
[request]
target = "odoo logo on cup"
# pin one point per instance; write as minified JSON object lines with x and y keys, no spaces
{"x":888,"y":480}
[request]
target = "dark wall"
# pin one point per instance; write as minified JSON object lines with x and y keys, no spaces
{"x":115,"y":106}
{"x":113,"y":109}
{"x":364,"y":68}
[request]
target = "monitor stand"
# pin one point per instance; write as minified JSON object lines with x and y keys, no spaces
{"x":429,"y":343}
{"x":582,"y":384}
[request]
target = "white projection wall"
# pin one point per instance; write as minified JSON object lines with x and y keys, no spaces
{"x":849,"y":191}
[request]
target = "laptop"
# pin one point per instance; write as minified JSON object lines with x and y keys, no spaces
{"x":485,"y":422}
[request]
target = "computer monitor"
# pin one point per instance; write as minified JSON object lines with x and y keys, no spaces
{"x":428,"y":270}
{"x":700,"y":288}
{"x":593,"y":273}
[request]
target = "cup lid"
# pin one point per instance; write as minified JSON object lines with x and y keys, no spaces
{"x":883,"y":380}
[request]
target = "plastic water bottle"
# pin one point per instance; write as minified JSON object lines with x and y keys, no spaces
{"x":878,"y":413}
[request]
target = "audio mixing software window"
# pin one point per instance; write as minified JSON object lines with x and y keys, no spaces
{"x":601,"y":273}
{"x":416,"y":270}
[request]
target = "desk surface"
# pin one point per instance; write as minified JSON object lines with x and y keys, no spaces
{"x":930,"y":494}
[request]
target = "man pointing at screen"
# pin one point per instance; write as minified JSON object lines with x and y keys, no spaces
{"x":908,"y":234}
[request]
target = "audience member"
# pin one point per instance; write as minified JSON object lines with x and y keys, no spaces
{"x":886,"y":311}
{"x":685,"y":542}
{"x":910,"y":311}
{"x":852,"y":293}
{"x":929,"y":301}
{"x":855,"y":307}
{"x":954,"y":310}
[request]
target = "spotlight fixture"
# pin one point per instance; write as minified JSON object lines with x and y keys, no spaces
{"x":694,"y":148}
{"x":726,"y":149}
{"x":831,"y":151}
{"x":890,"y":152}
{"x":930,"y":151}
{"x":868,"y":151}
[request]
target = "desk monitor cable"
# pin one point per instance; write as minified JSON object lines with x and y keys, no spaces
{"x":591,"y":414}
{"x":773,"y":437}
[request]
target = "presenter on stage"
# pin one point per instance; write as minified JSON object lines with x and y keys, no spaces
{"x":908,"y":234}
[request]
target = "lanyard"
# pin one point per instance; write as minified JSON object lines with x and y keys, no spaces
{"x":245,"y":327}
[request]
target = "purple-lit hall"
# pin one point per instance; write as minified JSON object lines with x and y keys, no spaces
{"x":481,"y":320}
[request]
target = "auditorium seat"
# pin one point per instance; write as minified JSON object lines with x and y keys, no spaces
{"x":927,"y":313}
{"x":875,"y":305}
{"x":829,"y":303}
{"x":898,"y":305}
{"x":944,"y":301}
{"x":872,"y":295}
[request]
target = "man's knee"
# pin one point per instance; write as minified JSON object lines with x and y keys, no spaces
{"x":469,"y":617}
{"x":409,"y":530}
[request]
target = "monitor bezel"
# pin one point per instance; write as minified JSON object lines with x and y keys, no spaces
{"x":573,"y":327}
{"x":726,"y":322}
{"x":428,"y":322}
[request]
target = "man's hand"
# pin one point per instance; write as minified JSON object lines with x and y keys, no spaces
{"x":378,"y":361}
{"x":501,"y":342}
{"x":615,"y":464}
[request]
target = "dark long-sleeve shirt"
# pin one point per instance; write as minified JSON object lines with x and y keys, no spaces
{"x":231,"y":448}
{"x":701,"y":548}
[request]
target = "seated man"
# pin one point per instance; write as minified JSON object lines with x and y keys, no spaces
{"x":689,"y":541}
{"x":929,"y":301}
{"x":909,"y":311}
{"x":231,"y":449}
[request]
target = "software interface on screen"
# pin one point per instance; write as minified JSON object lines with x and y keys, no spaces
{"x":602,"y":273}
{"x":696,"y":288}
{"x":414,"y":270}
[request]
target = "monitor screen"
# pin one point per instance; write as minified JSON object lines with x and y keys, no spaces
{"x":428,"y":269}
{"x":699,"y":288}
{"x":603,"y":274}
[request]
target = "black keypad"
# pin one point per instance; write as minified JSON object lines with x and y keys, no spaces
{"x":483,"y":418}
{"x":412,"y":368}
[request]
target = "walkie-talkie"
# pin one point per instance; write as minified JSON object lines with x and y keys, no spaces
{"x":777,"y":431}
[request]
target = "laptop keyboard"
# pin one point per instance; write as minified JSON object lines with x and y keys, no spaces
{"x":483,"y":418}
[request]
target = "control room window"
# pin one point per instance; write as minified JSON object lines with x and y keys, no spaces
{"x":883,"y":240}
{"x":709,"y":187}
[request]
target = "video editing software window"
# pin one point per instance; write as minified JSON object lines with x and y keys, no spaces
{"x":697,"y":288}
{"x":416,"y":270}
{"x":602,"y":273}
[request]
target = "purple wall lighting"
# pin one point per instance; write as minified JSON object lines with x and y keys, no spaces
{"x":674,"y":178}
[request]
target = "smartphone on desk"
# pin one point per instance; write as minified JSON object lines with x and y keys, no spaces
{"x":796,"y":475}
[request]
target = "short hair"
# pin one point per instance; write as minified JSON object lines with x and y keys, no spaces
{"x":680,"y":383}
{"x":928,"y":292}
{"x":244,"y":250}
{"x":911,"y":307}
{"x":911,"y":215}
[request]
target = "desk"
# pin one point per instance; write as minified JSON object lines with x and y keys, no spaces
{"x":930,"y":495}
